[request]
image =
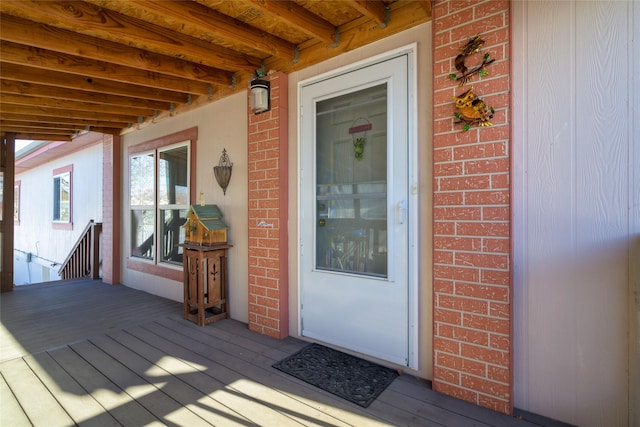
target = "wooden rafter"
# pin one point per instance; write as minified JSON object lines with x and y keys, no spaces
{"x":89,"y":68}
{"x":44,"y":137}
{"x":205,"y":23}
{"x":71,"y":81}
{"x":37,"y":127}
{"x":374,"y":9}
{"x":84,"y":123}
{"x":67,"y":66}
{"x":91,"y":20}
{"x":46,"y":37}
{"x":9,"y":98}
{"x":121,"y":119}
{"x":44,"y":92}
{"x":292,"y":14}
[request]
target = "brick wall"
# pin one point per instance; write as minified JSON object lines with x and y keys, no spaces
{"x":471,"y":213}
{"x":111,"y":197}
{"x":268,"y":203}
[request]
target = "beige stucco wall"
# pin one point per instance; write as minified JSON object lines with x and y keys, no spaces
{"x":222,"y":124}
{"x":422,"y":36}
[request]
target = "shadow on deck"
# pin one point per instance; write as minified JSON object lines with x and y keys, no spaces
{"x":87,"y":353}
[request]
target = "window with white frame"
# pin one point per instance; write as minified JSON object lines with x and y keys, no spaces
{"x":63,"y":197}
{"x":159,"y":198}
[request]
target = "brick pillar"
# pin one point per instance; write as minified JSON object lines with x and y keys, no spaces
{"x":111,"y":197}
{"x":471,"y":213}
{"x":268,"y":204}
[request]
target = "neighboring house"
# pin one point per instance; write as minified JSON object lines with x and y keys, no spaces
{"x":512,"y":251}
{"x":55,"y":199}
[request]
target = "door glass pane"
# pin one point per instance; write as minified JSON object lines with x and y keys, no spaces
{"x":351,"y":182}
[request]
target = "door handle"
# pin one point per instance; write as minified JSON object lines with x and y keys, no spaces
{"x":402,"y":210}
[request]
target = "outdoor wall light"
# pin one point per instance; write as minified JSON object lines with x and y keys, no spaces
{"x":223,"y":171}
{"x":260,"y":96}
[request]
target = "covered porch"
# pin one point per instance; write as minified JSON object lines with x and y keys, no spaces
{"x":86,"y":353}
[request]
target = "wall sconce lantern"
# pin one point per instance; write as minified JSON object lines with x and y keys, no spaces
{"x":260,"y":96}
{"x":223,"y":171}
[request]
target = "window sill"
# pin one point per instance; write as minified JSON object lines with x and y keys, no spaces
{"x":62,"y":225}
{"x":156,"y":270}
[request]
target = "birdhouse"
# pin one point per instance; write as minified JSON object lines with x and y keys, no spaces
{"x":204,"y":226}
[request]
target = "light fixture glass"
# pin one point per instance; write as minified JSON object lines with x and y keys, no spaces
{"x":260,"y":96}
{"x":223,"y":171}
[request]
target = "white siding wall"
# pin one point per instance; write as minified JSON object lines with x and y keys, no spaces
{"x":576,"y":209}
{"x":35,"y":233}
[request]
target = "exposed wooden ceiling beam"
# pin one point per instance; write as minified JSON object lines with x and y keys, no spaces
{"x":29,"y":110}
{"x":426,"y":5}
{"x":155,"y":59}
{"x":373,"y":9}
{"x":43,"y":137}
{"x":105,"y":24}
{"x":50,"y":60}
{"x":54,"y":126}
{"x":30,"y":130}
{"x":71,"y":81}
{"x":39,"y":127}
{"x":9,"y":98}
{"x":297,"y":16}
{"x":96,"y":98}
{"x":63,"y":120}
{"x":25,"y":32}
{"x":360,"y":32}
{"x":202,"y":22}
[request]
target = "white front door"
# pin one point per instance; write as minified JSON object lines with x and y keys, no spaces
{"x":354,"y":216}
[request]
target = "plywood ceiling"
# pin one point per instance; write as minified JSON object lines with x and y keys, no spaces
{"x":112,"y":66}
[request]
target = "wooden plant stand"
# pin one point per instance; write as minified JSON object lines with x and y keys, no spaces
{"x":205,"y":283}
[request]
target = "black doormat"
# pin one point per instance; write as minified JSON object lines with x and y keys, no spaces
{"x":354,"y":379}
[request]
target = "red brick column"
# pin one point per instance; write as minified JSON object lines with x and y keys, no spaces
{"x":111,"y":197}
{"x":471,"y":213}
{"x":268,"y":204}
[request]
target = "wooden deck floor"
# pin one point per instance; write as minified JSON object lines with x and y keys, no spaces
{"x":86,"y":353}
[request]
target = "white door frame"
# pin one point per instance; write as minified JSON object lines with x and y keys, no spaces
{"x":412,"y":202}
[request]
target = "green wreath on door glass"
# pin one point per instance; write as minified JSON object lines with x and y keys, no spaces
{"x":358,"y":142}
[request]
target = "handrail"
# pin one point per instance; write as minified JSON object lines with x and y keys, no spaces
{"x":84,"y":258}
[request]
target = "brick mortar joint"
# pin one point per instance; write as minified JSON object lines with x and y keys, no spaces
{"x":478,"y":269}
{"x":459,"y":386}
{"x":468,"y":373}
{"x":485,"y":47}
{"x":467,"y":359}
{"x":442,"y":322}
{"x":471,"y":252}
{"x":473,"y":221}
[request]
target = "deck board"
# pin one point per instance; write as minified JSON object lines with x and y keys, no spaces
{"x":27,"y":387}
{"x":80,"y":406}
{"x":11,"y":413}
{"x":120,"y":405}
{"x":233,"y":363}
{"x":205,"y":406}
{"x":90,"y":354}
{"x":255,"y":395}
